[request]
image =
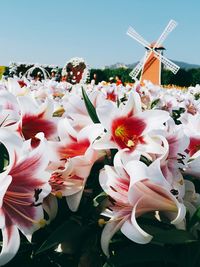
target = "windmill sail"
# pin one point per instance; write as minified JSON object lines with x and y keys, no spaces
{"x":169,"y":28}
{"x":133,"y":34}
{"x":134,"y":73}
{"x":168,"y":63}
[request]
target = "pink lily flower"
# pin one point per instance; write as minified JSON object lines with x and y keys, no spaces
{"x":191,"y":197}
{"x":129,"y":127}
{"x":35,"y":119}
{"x":191,"y":126}
{"x":15,"y":88}
{"x":76,"y":111}
{"x":24,"y":184}
{"x":193,"y":165}
{"x":174,"y":159}
{"x":194,"y":145}
{"x":110,"y":92}
{"x":9,"y":110}
{"x":72,"y":161}
{"x":135,"y":190}
{"x":69,"y":181}
{"x":76,"y":144}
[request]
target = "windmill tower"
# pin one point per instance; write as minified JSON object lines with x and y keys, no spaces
{"x":150,"y":64}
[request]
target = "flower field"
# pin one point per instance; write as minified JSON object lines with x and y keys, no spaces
{"x":99,"y":175}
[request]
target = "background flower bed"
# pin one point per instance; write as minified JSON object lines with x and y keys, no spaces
{"x":185,"y":77}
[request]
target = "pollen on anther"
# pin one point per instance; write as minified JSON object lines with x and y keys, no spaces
{"x":130,"y":143}
{"x":58,"y":194}
{"x":101,"y":222}
{"x":42,"y":223}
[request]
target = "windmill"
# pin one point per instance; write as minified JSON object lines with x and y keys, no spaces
{"x":150,"y":64}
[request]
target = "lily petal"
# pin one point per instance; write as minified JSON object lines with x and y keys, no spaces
{"x":73,"y":201}
{"x":154,"y":119}
{"x":133,"y":231}
{"x":108,"y":232}
{"x":11,"y":242}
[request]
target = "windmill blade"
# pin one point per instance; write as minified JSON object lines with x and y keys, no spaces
{"x":168,"y":63}
{"x":134,"y":73}
{"x":133,"y":34}
{"x":169,"y":28}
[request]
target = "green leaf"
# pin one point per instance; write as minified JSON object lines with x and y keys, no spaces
{"x":69,"y":230}
{"x":195,"y":218}
{"x":4,"y":157}
{"x":197,"y":96}
{"x":90,"y":108}
{"x":138,"y":254}
{"x":154,"y":103}
{"x":168,"y":236}
{"x":164,"y":232}
{"x":145,"y":160}
{"x":176,"y":115}
{"x":118,"y":102}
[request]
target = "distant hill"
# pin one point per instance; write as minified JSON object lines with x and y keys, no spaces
{"x":185,"y":65}
{"x":120,"y":65}
{"x":181,"y":64}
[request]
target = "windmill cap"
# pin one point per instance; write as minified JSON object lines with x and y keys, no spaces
{"x":157,"y":47}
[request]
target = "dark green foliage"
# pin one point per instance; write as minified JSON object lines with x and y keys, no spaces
{"x":176,"y":115}
{"x":104,"y":75}
{"x":21,"y":69}
{"x":183,"y":78}
{"x":195,"y":73}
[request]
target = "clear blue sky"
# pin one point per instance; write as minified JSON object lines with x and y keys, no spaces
{"x":53,"y":31}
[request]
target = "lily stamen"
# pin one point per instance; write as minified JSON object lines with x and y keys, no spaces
{"x":26,"y":217}
{"x":10,"y":199}
{"x":19,"y":194}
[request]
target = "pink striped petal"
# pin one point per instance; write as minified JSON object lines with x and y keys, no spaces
{"x":33,"y":124}
{"x":11,"y":242}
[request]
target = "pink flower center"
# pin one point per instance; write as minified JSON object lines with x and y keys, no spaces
{"x":33,"y":124}
{"x":74,"y":149}
{"x":194,"y":145}
{"x":61,"y":182}
{"x":127,"y":131}
{"x":111,"y":96}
